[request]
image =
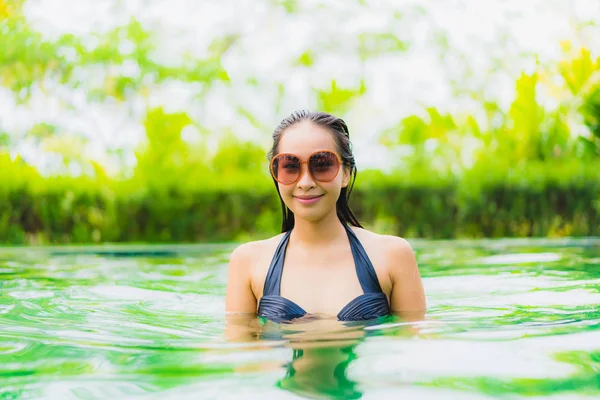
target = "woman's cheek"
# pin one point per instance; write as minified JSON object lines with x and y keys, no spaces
{"x":286,"y":194}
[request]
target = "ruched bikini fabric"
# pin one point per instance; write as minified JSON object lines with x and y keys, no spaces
{"x":371,"y":304}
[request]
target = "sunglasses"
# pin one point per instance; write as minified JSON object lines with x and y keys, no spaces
{"x":323,"y":165}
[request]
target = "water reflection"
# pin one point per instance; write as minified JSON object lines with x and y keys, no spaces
{"x":321,"y":372}
{"x":322,"y":348}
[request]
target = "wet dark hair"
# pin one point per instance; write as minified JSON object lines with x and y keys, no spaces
{"x":339,"y":130}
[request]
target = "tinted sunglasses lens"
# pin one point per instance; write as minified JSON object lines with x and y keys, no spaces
{"x":324,"y":166}
{"x":286,"y":168}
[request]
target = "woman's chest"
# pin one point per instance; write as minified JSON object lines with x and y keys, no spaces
{"x":321,"y":285}
{"x":323,"y":282}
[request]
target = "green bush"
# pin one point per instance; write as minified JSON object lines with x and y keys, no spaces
{"x":488,"y":201}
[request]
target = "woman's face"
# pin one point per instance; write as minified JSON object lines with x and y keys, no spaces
{"x":303,"y":139}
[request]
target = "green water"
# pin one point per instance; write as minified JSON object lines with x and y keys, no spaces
{"x":509,"y":319}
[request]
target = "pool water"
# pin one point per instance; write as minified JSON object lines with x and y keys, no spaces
{"x":511,"y":319}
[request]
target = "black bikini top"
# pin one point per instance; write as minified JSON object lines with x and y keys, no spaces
{"x":371,"y":304}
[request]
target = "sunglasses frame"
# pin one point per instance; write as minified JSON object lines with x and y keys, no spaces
{"x":339,"y":160}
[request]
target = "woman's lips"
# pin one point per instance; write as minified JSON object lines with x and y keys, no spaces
{"x":308,"y":200}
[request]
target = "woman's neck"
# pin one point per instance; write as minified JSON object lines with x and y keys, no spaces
{"x":319,"y":233}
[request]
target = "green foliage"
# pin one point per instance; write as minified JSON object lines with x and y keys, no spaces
{"x":578,"y":71}
{"x":374,"y":44}
{"x":234,"y":156}
{"x":306,"y":59}
{"x":591,"y":115}
{"x":163,"y":159}
{"x":290,"y":6}
{"x":20,"y":69}
{"x":337,"y":99}
{"x":526,"y":169}
{"x":491,"y":201}
{"x":5,"y":140}
{"x":166,"y":161}
{"x":415,"y":131}
{"x":581,"y":75}
{"x":26,"y":58}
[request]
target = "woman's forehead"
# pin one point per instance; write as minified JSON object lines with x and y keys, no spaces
{"x":304,"y":138}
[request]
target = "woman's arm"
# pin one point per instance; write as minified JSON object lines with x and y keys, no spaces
{"x":408,"y":296}
{"x":239,"y":296}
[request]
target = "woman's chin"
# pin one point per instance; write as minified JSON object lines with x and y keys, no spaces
{"x":310,"y":215}
{"x":303,"y":213}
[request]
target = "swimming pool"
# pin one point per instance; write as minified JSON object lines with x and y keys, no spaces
{"x":513,"y":318}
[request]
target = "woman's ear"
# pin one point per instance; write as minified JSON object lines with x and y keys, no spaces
{"x":346,"y":177}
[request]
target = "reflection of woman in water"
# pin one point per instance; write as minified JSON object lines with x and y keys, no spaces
{"x":322,"y":350}
{"x":333,"y":266}
{"x":321,"y":372}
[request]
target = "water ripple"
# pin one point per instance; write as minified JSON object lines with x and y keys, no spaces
{"x":501,"y":321}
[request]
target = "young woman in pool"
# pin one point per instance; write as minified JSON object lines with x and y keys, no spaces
{"x":333,"y":266}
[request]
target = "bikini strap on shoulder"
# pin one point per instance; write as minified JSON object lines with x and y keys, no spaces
{"x":364,"y":268}
{"x":273,"y":280}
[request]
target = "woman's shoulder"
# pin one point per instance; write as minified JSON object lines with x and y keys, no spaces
{"x":386,"y":242}
{"x":387,"y":249}
{"x":252,"y":259}
{"x":252,"y":251}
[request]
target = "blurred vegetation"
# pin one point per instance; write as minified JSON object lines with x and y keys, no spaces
{"x":531,"y":170}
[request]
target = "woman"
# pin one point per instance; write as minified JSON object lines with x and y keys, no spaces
{"x":333,"y":267}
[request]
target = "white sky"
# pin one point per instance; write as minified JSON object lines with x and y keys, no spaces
{"x":398,"y":84}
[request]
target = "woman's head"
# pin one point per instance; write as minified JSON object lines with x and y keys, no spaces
{"x":315,"y":185}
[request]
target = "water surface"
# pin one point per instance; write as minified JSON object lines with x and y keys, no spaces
{"x":510,"y":319}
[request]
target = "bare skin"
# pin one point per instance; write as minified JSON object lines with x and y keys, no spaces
{"x":319,"y":272}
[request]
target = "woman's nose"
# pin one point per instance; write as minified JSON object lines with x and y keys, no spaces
{"x":306,"y":180}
